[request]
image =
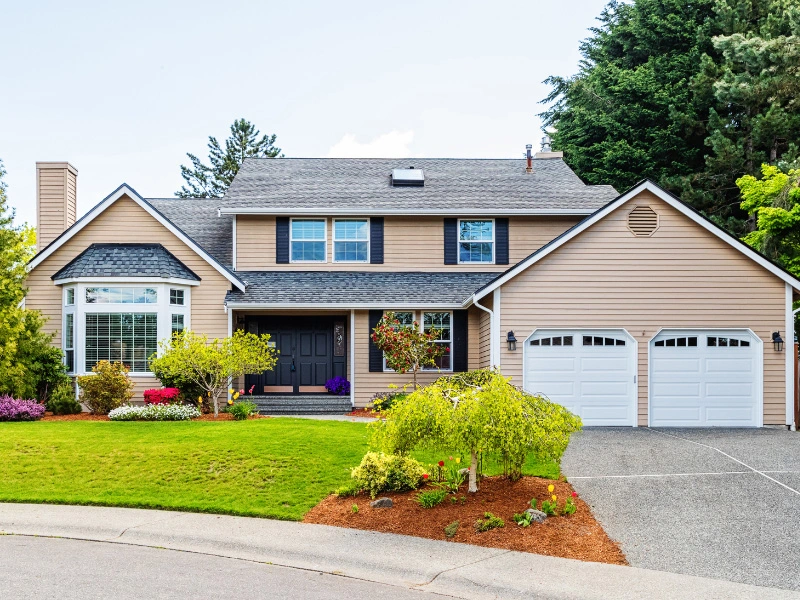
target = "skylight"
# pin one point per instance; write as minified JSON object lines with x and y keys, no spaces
{"x":408,"y":177}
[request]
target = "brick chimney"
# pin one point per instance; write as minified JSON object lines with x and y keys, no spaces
{"x":56,"y":200}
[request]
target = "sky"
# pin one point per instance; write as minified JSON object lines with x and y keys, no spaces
{"x":123,"y":91}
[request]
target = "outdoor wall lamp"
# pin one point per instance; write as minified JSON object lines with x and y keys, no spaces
{"x":512,"y":341}
{"x":777,"y":341}
{"x":240,"y":320}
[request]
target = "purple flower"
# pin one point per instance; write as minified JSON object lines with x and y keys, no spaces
{"x":338,"y":385}
{"x":20,"y":410}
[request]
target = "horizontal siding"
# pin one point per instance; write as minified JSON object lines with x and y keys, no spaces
{"x":126,"y":222}
{"x":473,"y":337}
{"x":56,"y":202}
{"x":484,"y":336}
{"x":680,"y":277}
{"x":410,"y":244}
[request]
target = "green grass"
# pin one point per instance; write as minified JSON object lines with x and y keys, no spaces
{"x":278,"y":468}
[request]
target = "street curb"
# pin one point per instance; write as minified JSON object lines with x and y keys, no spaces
{"x":458,"y":570}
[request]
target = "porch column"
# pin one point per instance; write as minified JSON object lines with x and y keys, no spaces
{"x":353,"y":357}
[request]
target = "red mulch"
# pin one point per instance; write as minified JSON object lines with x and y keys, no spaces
{"x":577,"y":536}
{"x":365,"y":412}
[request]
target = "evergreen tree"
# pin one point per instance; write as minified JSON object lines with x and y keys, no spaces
{"x":204,"y":181}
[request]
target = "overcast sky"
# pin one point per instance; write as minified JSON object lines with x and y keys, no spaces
{"x":124,"y":90}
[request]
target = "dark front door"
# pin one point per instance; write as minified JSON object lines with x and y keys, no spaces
{"x":307,"y":357}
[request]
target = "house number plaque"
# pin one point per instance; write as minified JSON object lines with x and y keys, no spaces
{"x":338,"y":338}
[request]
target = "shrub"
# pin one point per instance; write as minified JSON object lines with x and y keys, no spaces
{"x":384,"y":400}
{"x":242,"y":410}
{"x":20,"y":410}
{"x":189,"y":390}
{"x":154,"y":412}
{"x":62,"y":401}
{"x":107,"y":389}
{"x":338,"y":385}
{"x":488,"y":522}
{"x":167,"y":395}
{"x":451,"y":530}
{"x":474,"y":413}
{"x":431,"y":498}
{"x":351,"y":488}
{"x":379,"y":472}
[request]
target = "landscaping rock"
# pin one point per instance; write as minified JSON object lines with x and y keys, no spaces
{"x":536,"y":515}
{"x":382,"y":503}
{"x":464,"y":471}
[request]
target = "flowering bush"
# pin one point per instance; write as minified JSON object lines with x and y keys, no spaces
{"x":379,"y":472}
{"x":20,"y":410}
{"x":154,"y":412}
{"x":406,"y":348}
{"x":338,"y":385}
{"x":168,"y":395}
{"x":107,"y":389}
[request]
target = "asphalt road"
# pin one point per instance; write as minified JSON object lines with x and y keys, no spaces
{"x":45,"y":568}
{"x":721,"y":503}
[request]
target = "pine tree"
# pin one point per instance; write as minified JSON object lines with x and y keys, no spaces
{"x":204,"y":181}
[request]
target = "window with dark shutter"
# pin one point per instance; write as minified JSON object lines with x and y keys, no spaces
{"x":451,"y":241}
{"x":282,"y":240}
{"x":375,"y":355}
{"x":376,"y":240}
{"x":501,"y":241}
{"x":460,"y":341}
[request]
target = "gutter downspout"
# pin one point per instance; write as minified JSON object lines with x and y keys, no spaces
{"x":492,"y":341}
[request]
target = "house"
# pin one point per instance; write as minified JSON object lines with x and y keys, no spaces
{"x":628,"y":309}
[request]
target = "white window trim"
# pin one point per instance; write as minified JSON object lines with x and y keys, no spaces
{"x":324,"y":240}
{"x":459,"y":240}
{"x":334,"y":240}
{"x":70,"y":309}
{"x":161,"y":307}
{"x":66,"y":295}
{"x":419,"y":317}
{"x":169,"y":292}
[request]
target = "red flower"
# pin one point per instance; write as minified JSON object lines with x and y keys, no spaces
{"x":574,"y":494}
{"x":425,"y":476}
{"x":441,"y":463}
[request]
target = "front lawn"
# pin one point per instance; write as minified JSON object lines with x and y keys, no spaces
{"x":278,"y":468}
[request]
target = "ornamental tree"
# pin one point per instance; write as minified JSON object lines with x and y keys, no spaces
{"x":476,"y":413}
{"x":211,"y":365}
{"x":406,"y":348}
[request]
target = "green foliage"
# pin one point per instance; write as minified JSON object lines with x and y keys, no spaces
{"x":431,"y":498}
{"x":569,"y":507}
{"x":354,"y":508}
{"x":475,"y":413}
{"x":190,"y":391}
{"x":451,"y":530}
{"x":379,"y":472}
{"x":384,"y":400}
{"x":774,"y":202}
{"x":549,"y":507}
{"x":61,"y":400}
{"x":210,"y":365}
{"x":690,"y":94}
{"x":109,"y":387}
{"x":488,"y":522}
{"x":351,"y":488}
{"x":523,"y":519}
{"x":242,"y":410}
{"x":213,"y":181}
{"x":406,"y":347}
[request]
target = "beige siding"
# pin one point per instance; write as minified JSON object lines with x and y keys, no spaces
{"x":56,"y":197}
{"x":484,"y":349}
{"x":410,"y":243}
{"x":126,"y":222}
{"x":473,"y":337}
{"x":680,"y":277}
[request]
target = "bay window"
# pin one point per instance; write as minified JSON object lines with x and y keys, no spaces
{"x":129,"y":338}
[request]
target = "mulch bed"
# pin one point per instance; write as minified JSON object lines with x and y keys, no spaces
{"x":577,"y":536}
{"x":365,"y":412}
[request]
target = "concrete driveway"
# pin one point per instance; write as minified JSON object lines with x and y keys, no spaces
{"x":721,"y":503}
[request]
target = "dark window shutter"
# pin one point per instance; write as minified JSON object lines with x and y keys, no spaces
{"x":501,"y":241}
{"x":375,"y":355}
{"x":376,"y":240}
{"x":282,"y":240}
{"x":450,"y":241}
{"x":460,"y":341}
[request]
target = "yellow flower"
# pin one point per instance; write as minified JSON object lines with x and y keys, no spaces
{"x":230,"y":402}
{"x":200,"y":399}
{"x":550,"y":488}
{"x":458,"y":459}
{"x":554,"y":497}
{"x":230,"y":391}
{"x":236,"y":396}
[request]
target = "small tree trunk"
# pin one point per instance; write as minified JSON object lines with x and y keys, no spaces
{"x":473,"y":473}
{"x":216,"y":404}
{"x":414,"y":374}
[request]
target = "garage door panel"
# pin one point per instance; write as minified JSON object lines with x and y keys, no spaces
{"x":594,"y":381}
{"x":705,"y":384}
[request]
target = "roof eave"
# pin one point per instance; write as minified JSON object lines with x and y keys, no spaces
{"x":356,"y":211}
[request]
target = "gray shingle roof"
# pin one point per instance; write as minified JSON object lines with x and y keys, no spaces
{"x":198,"y":218}
{"x":126,"y":260}
{"x":357,"y":287}
{"x":451,"y":186}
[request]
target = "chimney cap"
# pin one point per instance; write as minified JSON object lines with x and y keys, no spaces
{"x":45,"y":164}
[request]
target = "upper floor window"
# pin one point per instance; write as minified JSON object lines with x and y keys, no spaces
{"x":476,"y":241}
{"x":121,"y":295}
{"x":307,"y":240}
{"x":350,"y":240}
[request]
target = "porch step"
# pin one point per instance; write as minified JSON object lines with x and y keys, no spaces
{"x":316,"y":404}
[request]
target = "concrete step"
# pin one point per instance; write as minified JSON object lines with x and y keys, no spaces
{"x":318,"y":404}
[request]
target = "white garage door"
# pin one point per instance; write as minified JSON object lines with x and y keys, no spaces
{"x":591,"y":372}
{"x":705,"y":378}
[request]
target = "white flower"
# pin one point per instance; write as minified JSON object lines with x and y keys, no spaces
{"x":154,"y":412}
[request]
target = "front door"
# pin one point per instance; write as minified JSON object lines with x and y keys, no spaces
{"x":307,"y":355}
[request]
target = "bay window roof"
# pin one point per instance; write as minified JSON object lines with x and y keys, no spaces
{"x":125,"y":260}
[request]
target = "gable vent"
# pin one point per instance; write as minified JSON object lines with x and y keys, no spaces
{"x":642,"y":221}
